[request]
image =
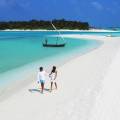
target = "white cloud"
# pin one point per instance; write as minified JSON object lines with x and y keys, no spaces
{"x":97,"y":5}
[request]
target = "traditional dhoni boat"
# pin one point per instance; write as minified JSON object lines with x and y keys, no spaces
{"x":57,"y":44}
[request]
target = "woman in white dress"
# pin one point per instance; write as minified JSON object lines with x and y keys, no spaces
{"x":53,"y":76}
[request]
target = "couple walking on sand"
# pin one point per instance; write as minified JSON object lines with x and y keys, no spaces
{"x":42,"y":77}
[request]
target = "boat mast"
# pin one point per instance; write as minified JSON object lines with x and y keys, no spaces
{"x":57,"y":30}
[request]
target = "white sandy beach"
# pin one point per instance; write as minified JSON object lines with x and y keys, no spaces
{"x":67,"y":30}
{"x":83,"y":83}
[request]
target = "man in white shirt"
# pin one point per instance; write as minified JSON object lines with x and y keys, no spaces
{"x":41,"y":78}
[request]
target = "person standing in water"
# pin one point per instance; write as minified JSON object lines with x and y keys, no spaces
{"x":41,"y":78}
{"x":53,"y":76}
{"x":46,"y":41}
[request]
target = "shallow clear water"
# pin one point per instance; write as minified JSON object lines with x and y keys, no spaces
{"x":20,"y":48}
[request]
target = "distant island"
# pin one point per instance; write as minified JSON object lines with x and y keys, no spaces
{"x":41,"y":24}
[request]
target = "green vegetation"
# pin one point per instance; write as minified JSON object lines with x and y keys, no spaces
{"x":35,"y":24}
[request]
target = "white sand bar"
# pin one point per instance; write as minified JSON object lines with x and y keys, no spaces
{"x":107,"y":105}
{"x":80,"y":82}
{"x":90,"y":30}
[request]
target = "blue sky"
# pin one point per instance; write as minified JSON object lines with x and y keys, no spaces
{"x":100,"y":13}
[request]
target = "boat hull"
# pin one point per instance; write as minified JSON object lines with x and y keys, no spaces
{"x":53,"y":45}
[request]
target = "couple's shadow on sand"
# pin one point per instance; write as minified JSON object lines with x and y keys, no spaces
{"x":38,"y":90}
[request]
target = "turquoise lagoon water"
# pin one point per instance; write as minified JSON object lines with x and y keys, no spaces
{"x":18,"y":49}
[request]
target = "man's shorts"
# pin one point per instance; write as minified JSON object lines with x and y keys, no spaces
{"x":42,"y":81}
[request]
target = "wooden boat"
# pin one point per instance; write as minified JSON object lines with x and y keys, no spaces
{"x":53,"y":45}
{"x":46,"y":44}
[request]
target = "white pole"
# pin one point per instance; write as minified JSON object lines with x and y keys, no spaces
{"x":57,"y":30}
